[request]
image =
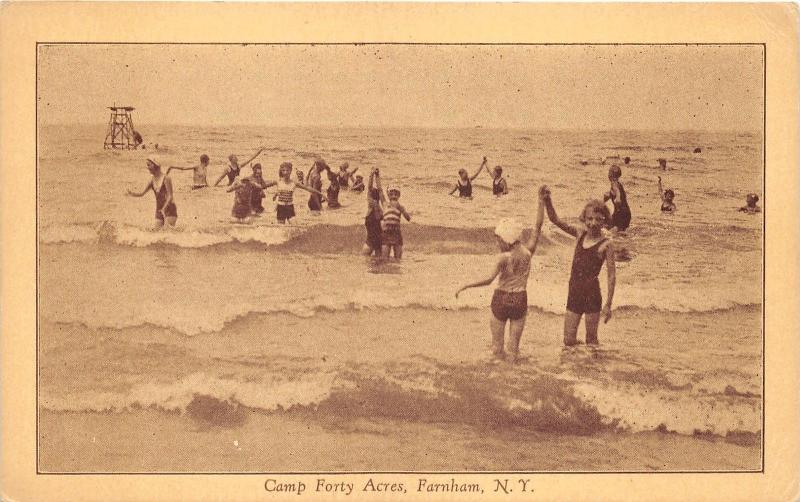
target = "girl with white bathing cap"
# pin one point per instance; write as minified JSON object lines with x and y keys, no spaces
{"x":510,"y":300}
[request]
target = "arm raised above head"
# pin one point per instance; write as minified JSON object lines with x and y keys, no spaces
{"x":533,"y":241}
{"x":553,"y":217}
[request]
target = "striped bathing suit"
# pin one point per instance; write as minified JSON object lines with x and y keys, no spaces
{"x":285,"y":193}
{"x":391,"y":216}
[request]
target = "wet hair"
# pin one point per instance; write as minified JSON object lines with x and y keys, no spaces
{"x":597,"y":207}
{"x":668,"y":193}
{"x":204,"y":159}
{"x":615,"y":171}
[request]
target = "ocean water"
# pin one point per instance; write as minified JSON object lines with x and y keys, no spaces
{"x":292,"y":320}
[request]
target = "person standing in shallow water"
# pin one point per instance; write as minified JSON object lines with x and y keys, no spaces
{"x":510,"y":299}
{"x":591,"y":251}
{"x":464,"y":183}
{"x":499,"y":185}
{"x":621,"y":218}
{"x":234,"y":168}
{"x":166,"y":211}
{"x":199,"y":177}
{"x":314,"y":181}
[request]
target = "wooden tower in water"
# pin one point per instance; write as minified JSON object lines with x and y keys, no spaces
{"x":121,"y":134}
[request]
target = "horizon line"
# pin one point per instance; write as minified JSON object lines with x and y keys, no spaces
{"x":399,"y":126}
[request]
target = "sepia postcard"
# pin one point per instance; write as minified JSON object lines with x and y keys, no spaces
{"x":399,"y":251}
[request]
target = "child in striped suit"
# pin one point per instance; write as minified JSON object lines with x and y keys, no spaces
{"x":391,"y":237}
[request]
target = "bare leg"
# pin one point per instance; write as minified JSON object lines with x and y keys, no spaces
{"x":498,"y":328}
{"x":398,"y":252}
{"x":171,"y":220}
{"x":514,"y":335}
{"x":571,"y":322}
{"x":385,"y":251}
{"x":592,"y":321}
{"x":159,"y":224}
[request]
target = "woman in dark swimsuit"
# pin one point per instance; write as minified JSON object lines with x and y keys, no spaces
{"x":233,"y":170}
{"x":622,"y":212}
{"x":162,"y":188}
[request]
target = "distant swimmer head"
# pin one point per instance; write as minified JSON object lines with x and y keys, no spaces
{"x":669,"y":194}
{"x":153,"y":166}
{"x":595,"y":214}
{"x":752,"y":199}
{"x":509,"y":231}
{"x":394,"y":193}
{"x":204,"y":159}
{"x":233,"y":159}
{"x":627,"y":160}
{"x":614,"y":172}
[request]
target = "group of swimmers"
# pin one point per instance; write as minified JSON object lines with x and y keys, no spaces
{"x":509,"y":305}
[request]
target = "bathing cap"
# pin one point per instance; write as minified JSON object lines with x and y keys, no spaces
{"x":509,"y":230}
{"x":154,"y":162}
{"x":393,"y":189}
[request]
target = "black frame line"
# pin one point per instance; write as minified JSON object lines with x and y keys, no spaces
{"x":462,"y":473}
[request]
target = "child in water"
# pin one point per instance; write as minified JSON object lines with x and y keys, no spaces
{"x":510,"y":299}
{"x":752,"y":204}
{"x":285,"y":200}
{"x":391,"y":238}
{"x":162,"y":188}
{"x":464,"y":183}
{"x":199,"y":177}
{"x":233,"y":170}
{"x":314,"y":180}
{"x":621,"y":219}
{"x":667,"y":206}
{"x":591,"y":251}
{"x":358,"y":184}
{"x":243,"y":199}
{"x":345,"y":176}
{"x":333,"y":190}
{"x":374,"y":216}
{"x":499,"y":185}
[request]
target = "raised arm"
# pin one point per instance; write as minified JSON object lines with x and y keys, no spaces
{"x":483,"y":164}
{"x":553,"y":217}
{"x":135,"y":194}
{"x":308,"y":189}
{"x":533,"y":241}
{"x":660,"y":189}
{"x":353,"y":172}
{"x":222,"y":176}
{"x":486,"y":281}
{"x":251,"y":159}
{"x":612,"y":280}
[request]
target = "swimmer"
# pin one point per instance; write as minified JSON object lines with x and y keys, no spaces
{"x":667,"y":206}
{"x":391,"y":238}
{"x":752,"y":204}
{"x":621,"y":219}
{"x":510,"y":299}
{"x":464,"y":183}
{"x":199,"y":177}
{"x":161,"y":184}
{"x":592,"y":249}
{"x":233,"y":169}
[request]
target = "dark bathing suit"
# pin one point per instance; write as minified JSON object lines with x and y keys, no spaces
{"x":171,"y":210}
{"x":497,"y":187}
{"x":232,"y":174}
{"x":584,"y":287}
{"x":465,"y":190}
{"x":622,"y":212}
{"x":314,"y":202}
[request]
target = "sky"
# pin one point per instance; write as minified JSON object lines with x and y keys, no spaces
{"x":535,"y":87}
